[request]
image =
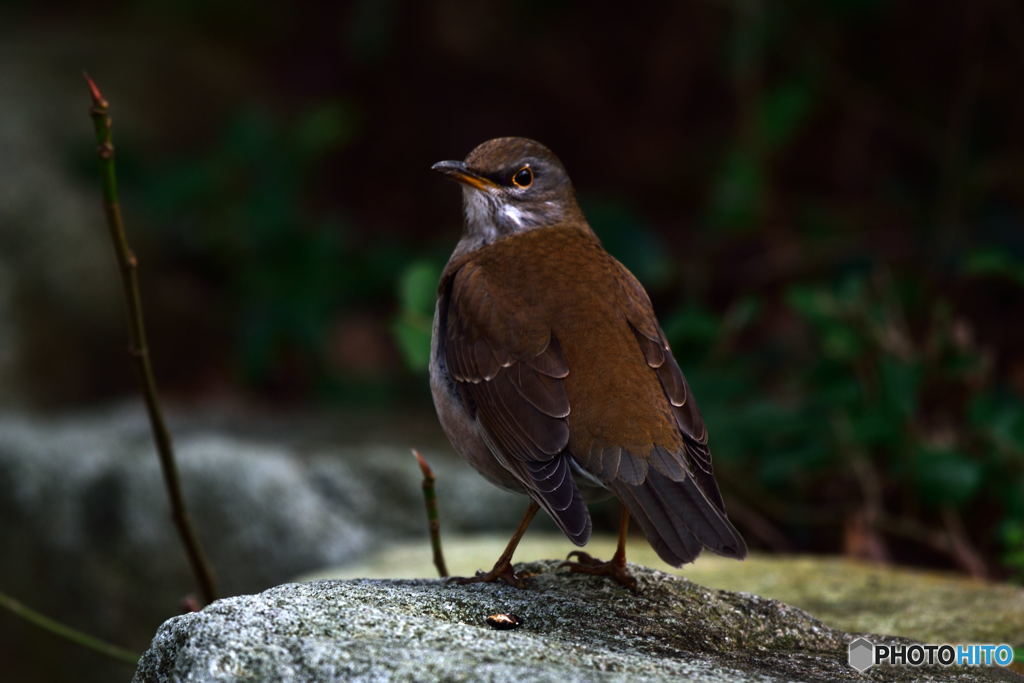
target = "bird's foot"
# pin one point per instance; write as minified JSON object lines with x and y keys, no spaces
{"x":502,"y":571}
{"x":614,"y":568}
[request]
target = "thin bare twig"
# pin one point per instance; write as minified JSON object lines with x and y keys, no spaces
{"x":952,"y":540}
{"x":433,"y":520}
{"x":915,"y":531}
{"x":139,"y":349}
{"x":63,"y":631}
{"x":961,"y":547}
{"x":861,"y":531}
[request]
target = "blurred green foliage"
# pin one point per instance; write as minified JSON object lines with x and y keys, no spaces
{"x":417,"y":291}
{"x":997,"y":263}
{"x":242,"y":211}
{"x":742,"y":180}
{"x":867,"y":412}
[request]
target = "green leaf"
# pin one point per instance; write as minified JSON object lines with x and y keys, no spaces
{"x":815,"y":304}
{"x":741,"y":314}
{"x":782,"y":112}
{"x":852,"y":292}
{"x":413,"y":337}
{"x":1001,"y":418}
{"x":325,"y":128}
{"x":737,"y":191}
{"x":899,"y":385}
{"x":1011,"y":534}
{"x":994,"y":262}
{"x":874,"y":427}
{"x":841,"y":342}
{"x":946,"y":476}
{"x":693,"y":328}
{"x":417,"y":287}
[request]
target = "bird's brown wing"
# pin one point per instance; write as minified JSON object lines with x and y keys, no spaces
{"x":509,"y":372}
{"x":678,"y":505}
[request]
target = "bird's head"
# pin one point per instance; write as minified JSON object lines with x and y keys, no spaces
{"x":511,"y":185}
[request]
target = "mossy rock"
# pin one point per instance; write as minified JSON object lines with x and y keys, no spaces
{"x":931,"y":607}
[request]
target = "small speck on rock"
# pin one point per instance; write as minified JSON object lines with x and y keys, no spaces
{"x":503,"y":622}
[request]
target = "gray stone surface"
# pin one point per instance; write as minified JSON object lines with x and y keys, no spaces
{"x":929,"y":606}
{"x":574,"y":628}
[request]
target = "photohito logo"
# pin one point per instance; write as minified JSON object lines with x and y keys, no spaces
{"x":863,"y":654}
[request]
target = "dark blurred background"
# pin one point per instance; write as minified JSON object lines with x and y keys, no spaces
{"x":825,"y":200}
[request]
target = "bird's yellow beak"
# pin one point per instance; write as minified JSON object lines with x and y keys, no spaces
{"x":458,"y":171}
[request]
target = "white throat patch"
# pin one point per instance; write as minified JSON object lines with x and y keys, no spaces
{"x":478,"y":208}
{"x":513,"y":214}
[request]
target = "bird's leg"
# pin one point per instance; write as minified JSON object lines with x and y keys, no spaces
{"x":502,"y":570}
{"x":614,"y":568}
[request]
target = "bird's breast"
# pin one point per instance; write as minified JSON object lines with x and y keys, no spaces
{"x":563,"y":278}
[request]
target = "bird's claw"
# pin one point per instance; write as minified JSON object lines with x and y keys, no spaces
{"x":615,"y":569}
{"x":501,"y":572}
{"x":581,"y":558}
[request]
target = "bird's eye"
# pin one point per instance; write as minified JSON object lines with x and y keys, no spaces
{"x":523,"y":177}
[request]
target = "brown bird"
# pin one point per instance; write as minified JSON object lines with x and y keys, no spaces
{"x":552,"y":377}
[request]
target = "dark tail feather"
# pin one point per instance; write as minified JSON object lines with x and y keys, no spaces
{"x":651,"y":516}
{"x":556,"y":492}
{"x":678,"y":519}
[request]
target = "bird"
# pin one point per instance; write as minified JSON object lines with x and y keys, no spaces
{"x":551,"y":375}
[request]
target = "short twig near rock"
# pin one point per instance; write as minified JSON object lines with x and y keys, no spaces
{"x":433,"y":520}
{"x":139,"y":349}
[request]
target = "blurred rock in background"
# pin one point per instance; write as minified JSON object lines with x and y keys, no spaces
{"x":89,"y":540}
